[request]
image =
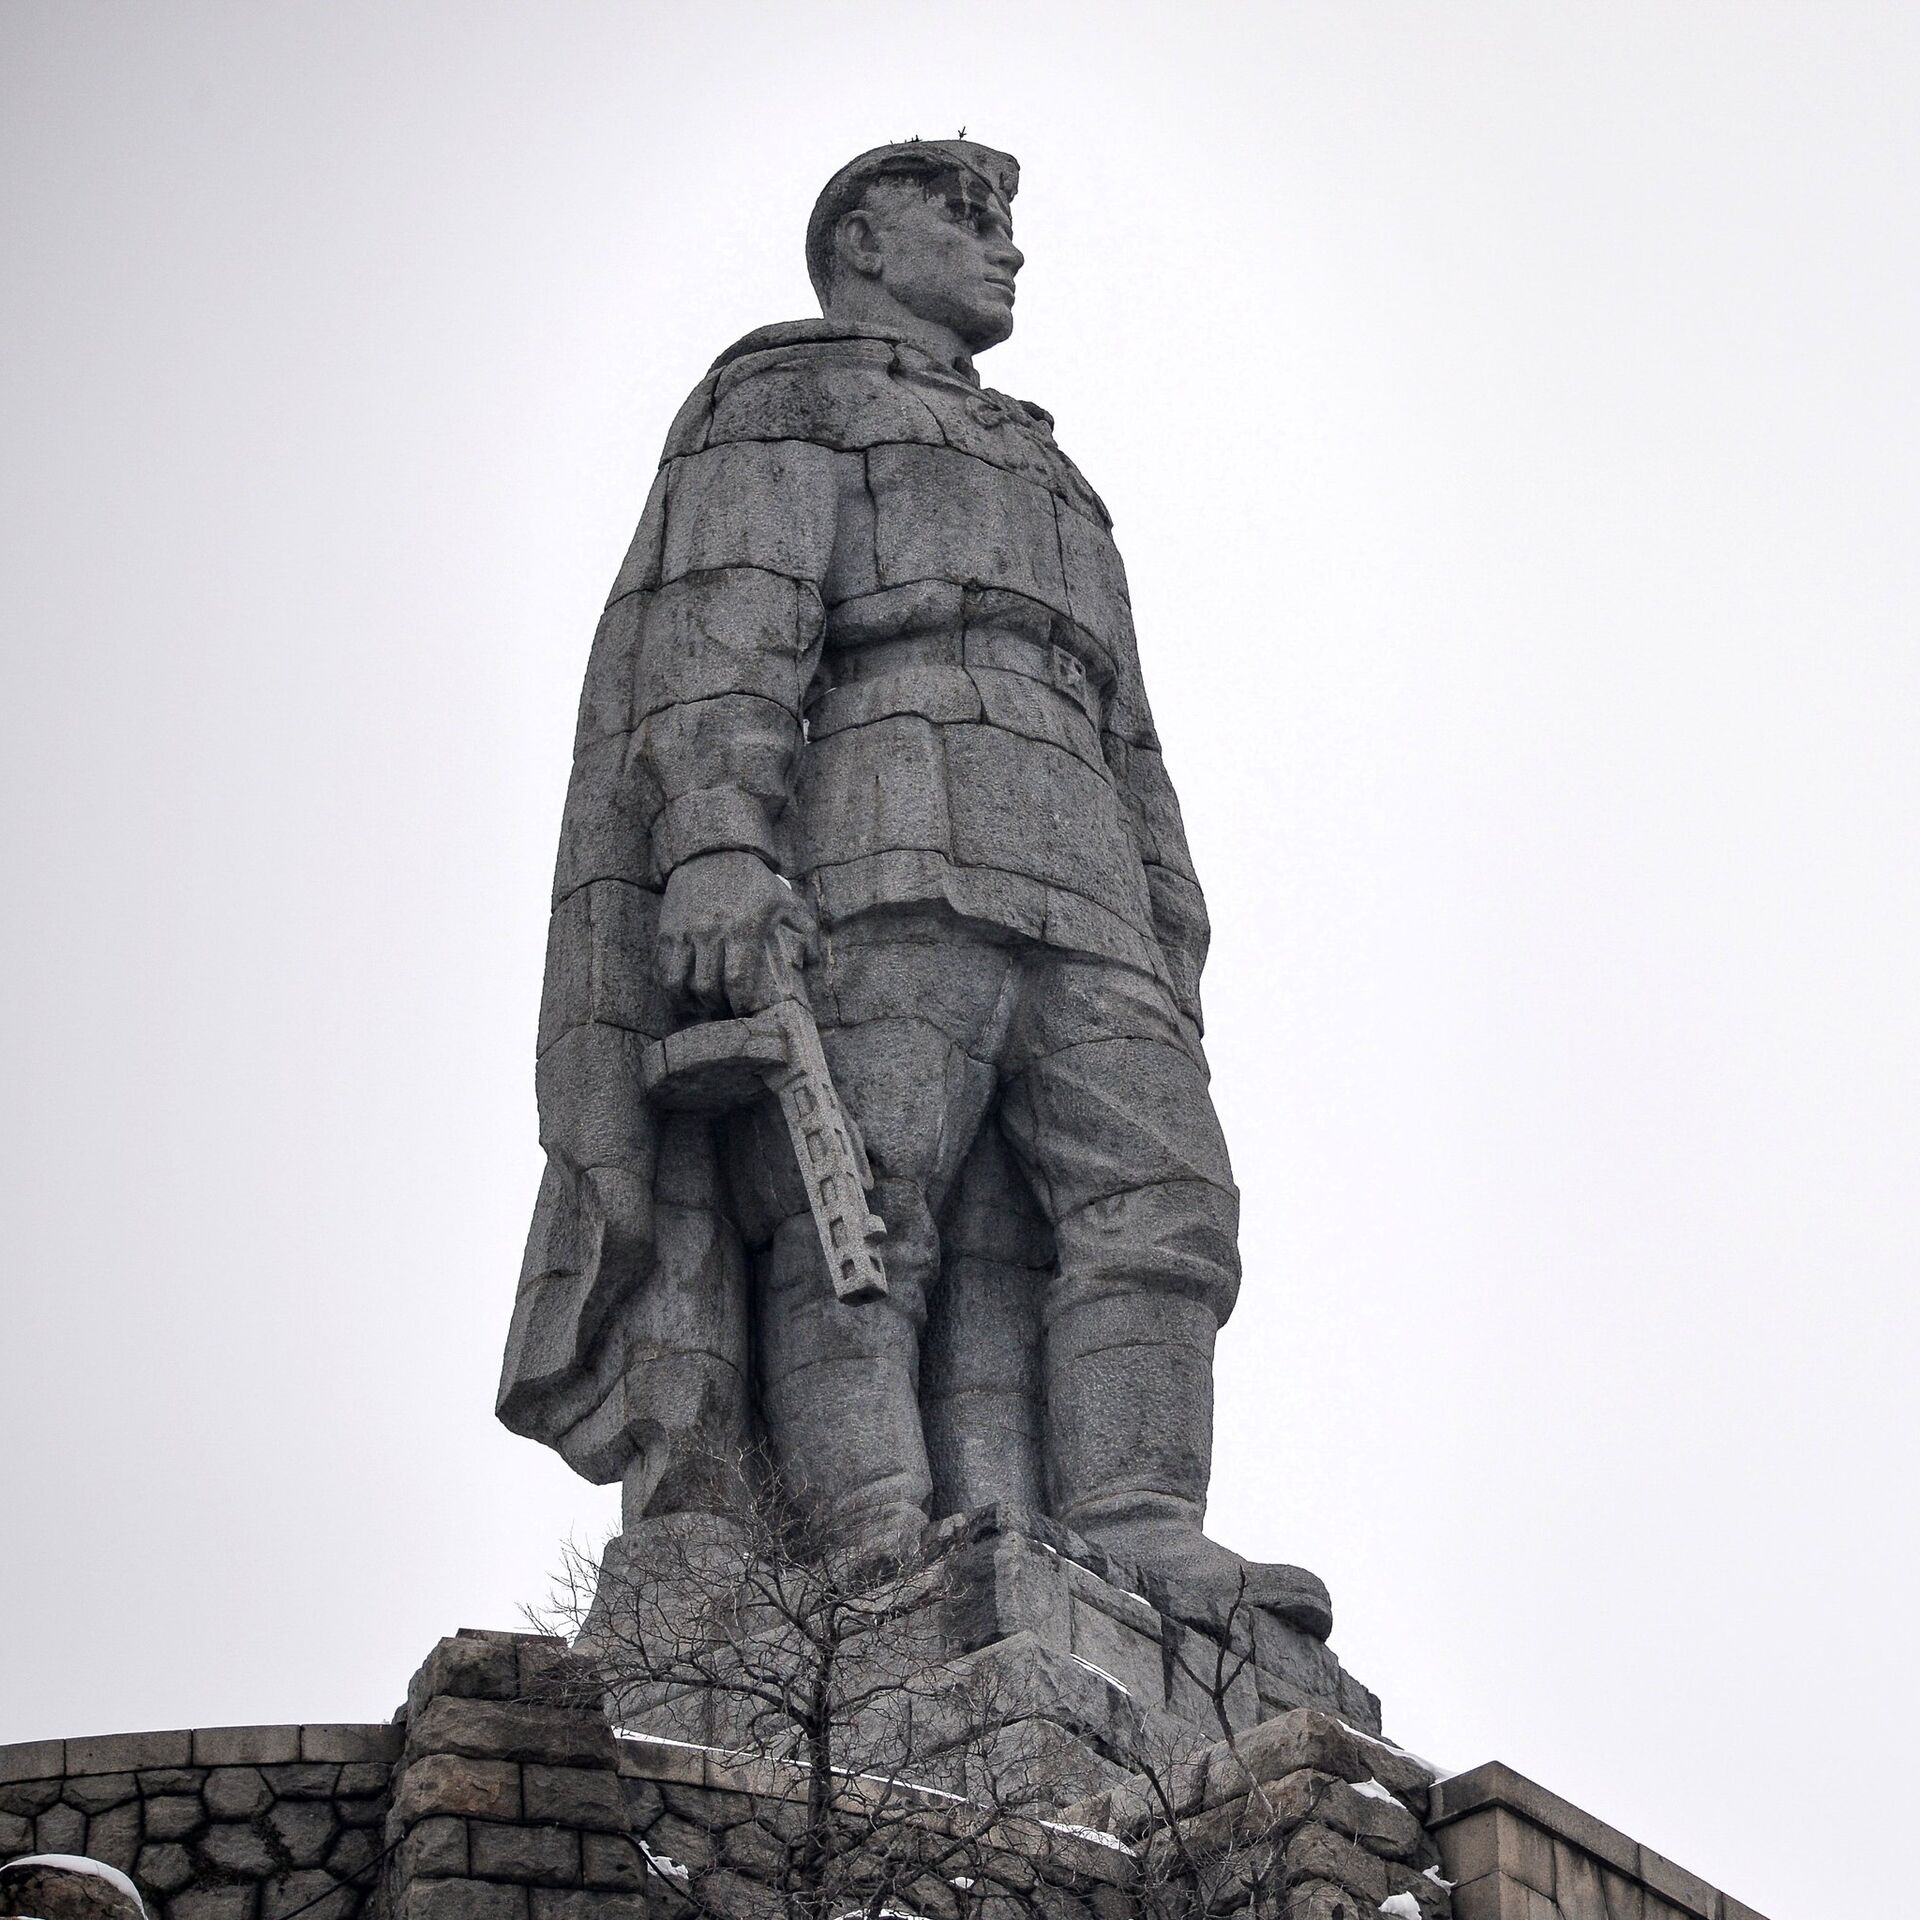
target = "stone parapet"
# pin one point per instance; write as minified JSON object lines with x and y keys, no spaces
{"x":507,"y":1802}
{"x":212,"y":1823}
{"x":711,"y":1824}
{"x":501,"y":1793}
{"x":1517,"y":1852}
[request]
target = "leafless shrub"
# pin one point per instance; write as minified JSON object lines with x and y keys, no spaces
{"x":853,"y":1767}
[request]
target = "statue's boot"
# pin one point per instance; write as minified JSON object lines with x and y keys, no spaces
{"x":840,"y":1387}
{"x":1130,"y":1444}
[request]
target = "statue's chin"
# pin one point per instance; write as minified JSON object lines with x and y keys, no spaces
{"x":988,"y":332}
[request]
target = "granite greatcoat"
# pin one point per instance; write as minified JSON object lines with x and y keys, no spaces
{"x":873,"y":629}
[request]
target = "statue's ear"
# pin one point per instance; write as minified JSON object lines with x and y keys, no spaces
{"x":856,"y":243}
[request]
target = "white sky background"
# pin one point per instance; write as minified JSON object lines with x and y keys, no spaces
{"x":1510,"y":420}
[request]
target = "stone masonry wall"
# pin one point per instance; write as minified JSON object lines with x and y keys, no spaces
{"x":1301,"y":1818}
{"x":507,"y":1803}
{"x":710,"y":1823}
{"x":1519,"y":1852}
{"x":218,"y":1823}
{"x":501,"y":1793}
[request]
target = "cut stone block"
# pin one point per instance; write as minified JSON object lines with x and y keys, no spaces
{"x":60,"y":1830}
{"x":172,"y":1816}
{"x":129,"y":1752}
{"x":448,"y":1783}
{"x":114,"y":1836}
{"x":239,"y":1850}
{"x":542,"y":1856}
{"x":583,"y":1797}
{"x":304,"y":1828}
{"x":244,"y":1746}
{"x":236,"y":1793}
{"x":510,"y":1730}
{"x":34,"y":1760}
{"x":96,"y":1792}
{"x":463,"y":1900}
{"x":435,"y":1848}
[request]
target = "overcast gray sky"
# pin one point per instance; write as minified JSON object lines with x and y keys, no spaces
{"x":1509,"y":415}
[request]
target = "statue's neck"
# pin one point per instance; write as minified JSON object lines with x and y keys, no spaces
{"x":863,"y":304}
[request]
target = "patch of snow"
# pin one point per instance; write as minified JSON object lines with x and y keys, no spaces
{"x":1405,"y":1753}
{"x":1433,"y":1874}
{"x":78,"y":1863}
{"x":1403,"y":1906}
{"x":1373,"y":1790}
{"x":896,"y":1780}
{"x":736,"y":1755}
{"x":1094,"y":1834}
{"x":1103,"y":1674}
{"x":665,"y":1868}
{"x":662,"y":1740}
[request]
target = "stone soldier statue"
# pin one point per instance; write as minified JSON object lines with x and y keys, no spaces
{"x":864,"y":725}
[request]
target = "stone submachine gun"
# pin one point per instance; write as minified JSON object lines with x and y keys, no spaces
{"x":720,"y":1065}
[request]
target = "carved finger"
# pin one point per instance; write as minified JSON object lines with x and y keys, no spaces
{"x":709,"y":982}
{"x":792,"y":947}
{"x":805,"y":923}
{"x":671,"y":959}
{"x":746,"y":976}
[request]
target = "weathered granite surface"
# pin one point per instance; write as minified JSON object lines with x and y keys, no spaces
{"x":865,"y":730}
{"x":496,"y":1796}
{"x":507,"y":1804}
{"x":1083,"y":1665}
{"x":216,"y":1823}
{"x":61,"y":1886}
{"x":1517,"y":1852}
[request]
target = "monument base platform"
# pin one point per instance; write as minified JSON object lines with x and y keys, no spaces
{"x":1104,"y":1656}
{"x":1095,"y":1673}
{"x":493,"y":1796}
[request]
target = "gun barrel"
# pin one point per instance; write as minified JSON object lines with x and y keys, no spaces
{"x":721,"y":1063}
{"x":833,"y":1165}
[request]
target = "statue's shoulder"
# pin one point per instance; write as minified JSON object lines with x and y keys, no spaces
{"x":803,"y":342}
{"x":830,"y":384}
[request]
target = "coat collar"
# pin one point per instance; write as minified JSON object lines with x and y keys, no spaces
{"x":812,"y":333}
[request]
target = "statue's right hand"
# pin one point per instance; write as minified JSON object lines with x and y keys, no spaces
{"x":733,"y":934}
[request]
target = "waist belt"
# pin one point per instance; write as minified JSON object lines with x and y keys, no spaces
{"x":993,"y":648}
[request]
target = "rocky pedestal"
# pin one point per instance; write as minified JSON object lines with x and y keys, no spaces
{"x":1093,"y":1672}
{"x":1301,"y":1818}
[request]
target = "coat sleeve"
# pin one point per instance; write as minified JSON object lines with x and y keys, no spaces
{"x":728,"y":645}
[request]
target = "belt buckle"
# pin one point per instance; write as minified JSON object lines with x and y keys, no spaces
{"x":1069,"y":675}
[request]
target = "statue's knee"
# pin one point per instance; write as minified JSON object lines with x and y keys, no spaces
{"x":796,"y":1286}
{"x":1180,"y":1238}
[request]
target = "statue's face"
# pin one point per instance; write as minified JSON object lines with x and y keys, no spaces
{"x":952,"y":262}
